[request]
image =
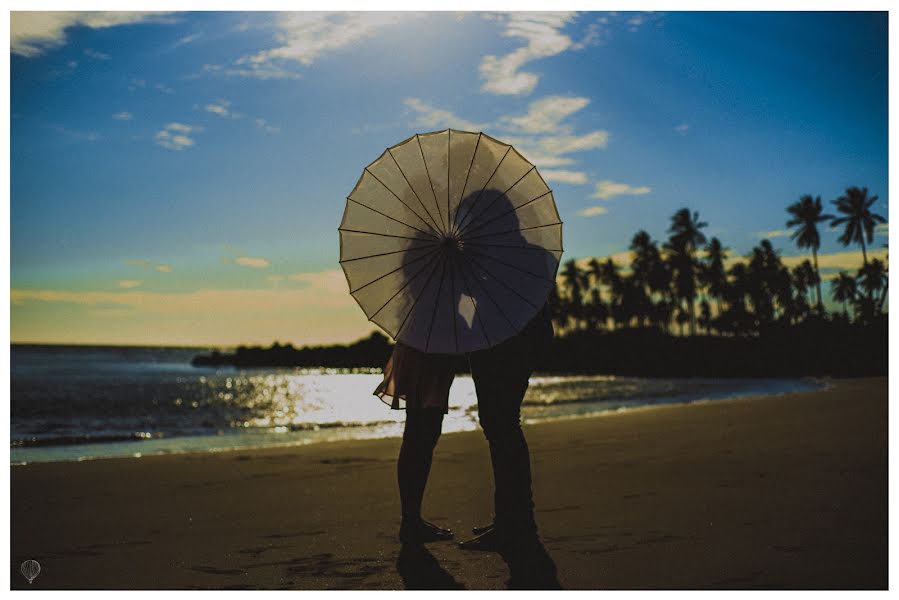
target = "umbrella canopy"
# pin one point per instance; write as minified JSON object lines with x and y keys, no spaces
{"x":450,"y":241}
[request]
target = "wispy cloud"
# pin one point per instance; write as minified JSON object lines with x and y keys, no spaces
{"x":544,"y":38}
{"x":545,"y":115}
{"x":252,"y":261}
{"x":593,"y":211}
{"x":188,"y":39}
{"x":123,"y":116}
{"x":429,"y":117}
{"x":176,"y":136}
{"x":146,"y":264}
{"x":682,"y":129}
{"x":264,"y":125}
{"x":91,"y":53}
{"x":33,"y":33}
{"x":606,"y":189}
{"x":129,"y":283}
{"x":163,"y":268}
{"x":304,"y":36}
{"x":222,"y":108}
{"x":562,"y":176}
{"x":882,"y":229}
{"x":84,"y":136}
{"x":774,"y":233}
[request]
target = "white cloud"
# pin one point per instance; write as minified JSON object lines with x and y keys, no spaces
{"x":542,"y":32}
{"x":123,"y":116}
{"x":430,"y":117}
{"x":305,"y":36}
{"x":186,"y":40}
{"x":32,"y":33}
{"x":175,"y":136}
{"x":129,"y":283}
{"x":572,"y":177}
{"x":553,"y":150}
{"x":545,"y":115}
{"x":593,"y":211}
{"x":682,"y":129}
{"x":882,"y":229}
{"x":774,"y":233}
{"x":266,"y":127}
{"x":163,"y":268}
{"x":90,"y":53}
{"x":222,"y":108}
{"x":251,"y":261}
{"x":164,"y":88}
{"x":606,"y":189}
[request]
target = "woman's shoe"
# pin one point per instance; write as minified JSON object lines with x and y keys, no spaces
{"x":422,"y":532}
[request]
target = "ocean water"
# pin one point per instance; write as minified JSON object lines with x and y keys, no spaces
{"x":71,"y":403}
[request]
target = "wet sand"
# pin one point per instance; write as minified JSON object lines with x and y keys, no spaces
{"x":767,"y":492}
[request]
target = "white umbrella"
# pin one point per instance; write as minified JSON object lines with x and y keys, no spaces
{"x":450,"y":241}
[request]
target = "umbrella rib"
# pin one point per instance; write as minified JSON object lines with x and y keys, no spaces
{"x":402,"y":266}
{"x":436,"y":303}
{"x":474,"y":306}
{"x":415,"y":302}
{"x":401,"y":200}
{"x":403,"y":173}
{"x":346,"y":260}
{"x":453,"y":311}
{"x":504,"y":284}
{"x":405,"y":285}
{"x":511,"y":210}
{"x":463,"y":227}
{"x":392,"y":218}
{"x":467,"y":174}
{"x":449,"y":133}
{"x":477,"y":237}
{"x":489,"y":296}
{"x":430,"y":183}
{"x":511,"y":266}
{"x":390,"y":235}
{"x":532,"y":248}
{"x":486,"y":183}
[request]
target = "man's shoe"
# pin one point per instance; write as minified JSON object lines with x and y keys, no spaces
{"x":487,"y":541}
{"x":482,"y":529}
{"x":422,"y":532}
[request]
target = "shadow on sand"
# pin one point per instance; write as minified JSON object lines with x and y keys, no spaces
{"x":421,"y":571}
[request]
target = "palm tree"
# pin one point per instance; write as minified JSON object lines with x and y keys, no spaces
{"x":573,"y":278}
{"x":857,"y":218}
{"x":685,"y":237}
{"x":844,"y":289}
{"x":714,"y":275}
{"x":806,"y":216}
{"x":873,"y":277}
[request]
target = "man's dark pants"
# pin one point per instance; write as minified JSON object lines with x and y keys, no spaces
{"x":501,"y":376}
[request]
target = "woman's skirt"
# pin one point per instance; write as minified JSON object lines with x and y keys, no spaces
{"x":413,"y":379}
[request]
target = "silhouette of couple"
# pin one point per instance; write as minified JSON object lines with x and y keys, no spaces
{"x":419,"y":382}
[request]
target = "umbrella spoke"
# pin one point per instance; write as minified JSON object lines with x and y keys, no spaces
{"x":430,"y":182}
{"x":463,"y":226}
{"x":486,"y":183}
{"x":435,"y":234}
{"x":436,"y":303}
{"x":477,"y":237}
{"x":467,"y":175}
{"x":510,"y":265}
{"x":405,"y":285}
{"x":469,"y":230}
{"x":392,"y":218}
{"x":437,"y":227}
{"x":417,"y":298}
{"x":402,"y":266}
{"x":346,"y":260}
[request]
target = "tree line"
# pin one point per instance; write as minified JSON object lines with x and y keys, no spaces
{"x":683,"y":284}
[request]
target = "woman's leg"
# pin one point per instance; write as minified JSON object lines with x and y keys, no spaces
{"x":420,"y":436}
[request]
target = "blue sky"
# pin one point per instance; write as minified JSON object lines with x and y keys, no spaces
{"x":179,"y":178}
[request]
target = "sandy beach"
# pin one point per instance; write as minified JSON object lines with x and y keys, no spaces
{"x":765,"y":492}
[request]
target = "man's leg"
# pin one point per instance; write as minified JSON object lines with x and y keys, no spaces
{"x":501,"y":380}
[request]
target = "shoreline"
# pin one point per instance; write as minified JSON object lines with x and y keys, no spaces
{"x":757,"y":492}
{"x":823,"y":381}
